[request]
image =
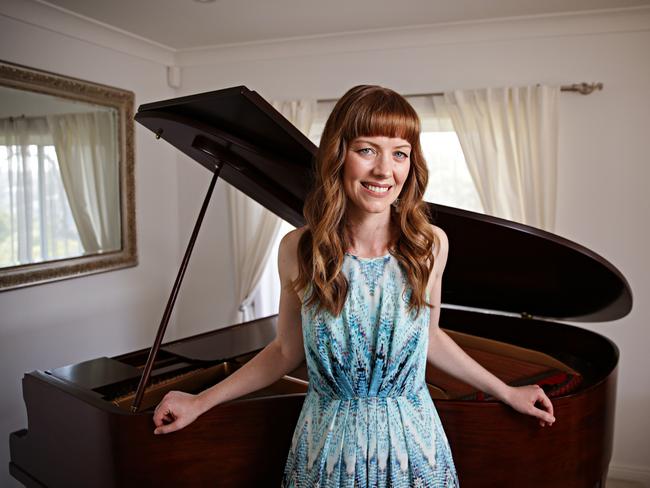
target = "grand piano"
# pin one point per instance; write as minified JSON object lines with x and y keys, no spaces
{"x":507,"y":287}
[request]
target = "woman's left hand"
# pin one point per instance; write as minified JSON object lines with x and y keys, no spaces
{"x":524,"y":398}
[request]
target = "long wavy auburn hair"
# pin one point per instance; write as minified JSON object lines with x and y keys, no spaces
{"x":365,"y":110}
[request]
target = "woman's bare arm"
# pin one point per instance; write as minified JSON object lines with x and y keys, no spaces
{"x":284,"y":354}
{"x":446,"y":355}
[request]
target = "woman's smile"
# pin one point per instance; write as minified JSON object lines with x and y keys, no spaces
{"x":378,"y":191}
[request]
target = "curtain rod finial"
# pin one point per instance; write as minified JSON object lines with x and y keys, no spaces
{"x":585,"y":88}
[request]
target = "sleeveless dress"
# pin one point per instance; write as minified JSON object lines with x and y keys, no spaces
{"x":367,"y":419}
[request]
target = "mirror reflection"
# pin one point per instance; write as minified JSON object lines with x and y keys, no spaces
{"x":59,"y":178}
{"x":67,"y":179}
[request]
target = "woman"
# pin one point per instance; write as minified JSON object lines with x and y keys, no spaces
{"x":360,"y":302}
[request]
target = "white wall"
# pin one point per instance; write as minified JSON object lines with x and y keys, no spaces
{"x":604,"y":144}
{"x":52,"y":325}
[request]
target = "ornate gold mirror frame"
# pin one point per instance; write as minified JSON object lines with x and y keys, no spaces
{"x":32,"y":80}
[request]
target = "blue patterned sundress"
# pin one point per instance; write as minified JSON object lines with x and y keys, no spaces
{"x":367,"y":419}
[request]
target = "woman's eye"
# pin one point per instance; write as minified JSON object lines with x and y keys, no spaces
{"x":365,"y":151}
{"x":401,"y":155}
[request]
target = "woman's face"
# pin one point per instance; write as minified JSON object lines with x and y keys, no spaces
{"x":374,"y":172}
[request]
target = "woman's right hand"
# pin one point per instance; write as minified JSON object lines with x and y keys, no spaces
{"x":175,"y":411}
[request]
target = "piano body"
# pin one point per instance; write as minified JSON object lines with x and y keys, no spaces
{"x":506,"y":286}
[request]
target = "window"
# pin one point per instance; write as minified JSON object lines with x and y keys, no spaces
{"x":36,"y":223}
{"x":449,"y":180}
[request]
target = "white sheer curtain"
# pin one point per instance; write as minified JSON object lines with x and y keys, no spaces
{"x":35,"y":222}
{"x":509,"y":138}
{"x":86,"y":147}
{"x":18,"y":134}
{"x":255,"y":230}
{"x":252,"y":230}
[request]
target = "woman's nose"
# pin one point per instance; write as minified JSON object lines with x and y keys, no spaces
{"x":383,"y":165}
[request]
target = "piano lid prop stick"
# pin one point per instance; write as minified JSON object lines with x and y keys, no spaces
{"x":144,"y":380}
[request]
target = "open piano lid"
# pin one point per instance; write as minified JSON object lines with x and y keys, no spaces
{"x":494,"y":264}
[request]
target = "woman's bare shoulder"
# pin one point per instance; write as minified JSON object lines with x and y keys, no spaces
{"x":440,"y":241}
{"x":288,"y":253}
{"x":291,"y":239}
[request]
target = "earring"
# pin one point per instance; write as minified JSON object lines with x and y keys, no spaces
{"x":396,"y":203}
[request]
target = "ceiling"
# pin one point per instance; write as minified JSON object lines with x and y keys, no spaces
{"x":186,"y":24}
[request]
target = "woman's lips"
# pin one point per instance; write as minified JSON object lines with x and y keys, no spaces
{"x":376,"y":193}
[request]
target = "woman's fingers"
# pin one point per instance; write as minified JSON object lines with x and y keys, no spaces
{"x":175,"y":411}
{"x":162,"y":414}
{"x":524,"y":399}
{"x":165,"y":429}
{"x":542,"y":415}
{"x":546,"y":402}
{"x":545,"y":414}
{"x":166,"y":421}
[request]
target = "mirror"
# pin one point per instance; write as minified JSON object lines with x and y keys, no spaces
{"x":67,"y":196}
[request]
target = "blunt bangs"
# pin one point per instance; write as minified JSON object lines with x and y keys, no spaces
{"x":382,"y":113}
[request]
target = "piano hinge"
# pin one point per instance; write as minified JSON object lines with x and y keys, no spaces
{"x":526,"y":315}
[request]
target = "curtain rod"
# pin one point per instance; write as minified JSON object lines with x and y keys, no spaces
{"x":582,"y":88}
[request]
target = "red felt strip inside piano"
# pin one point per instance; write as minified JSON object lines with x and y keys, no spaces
{"x":514,"y":365}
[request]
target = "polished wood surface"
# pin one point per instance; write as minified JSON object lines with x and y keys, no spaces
{"x":493,"y":445}
{"x":245,"y":442}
